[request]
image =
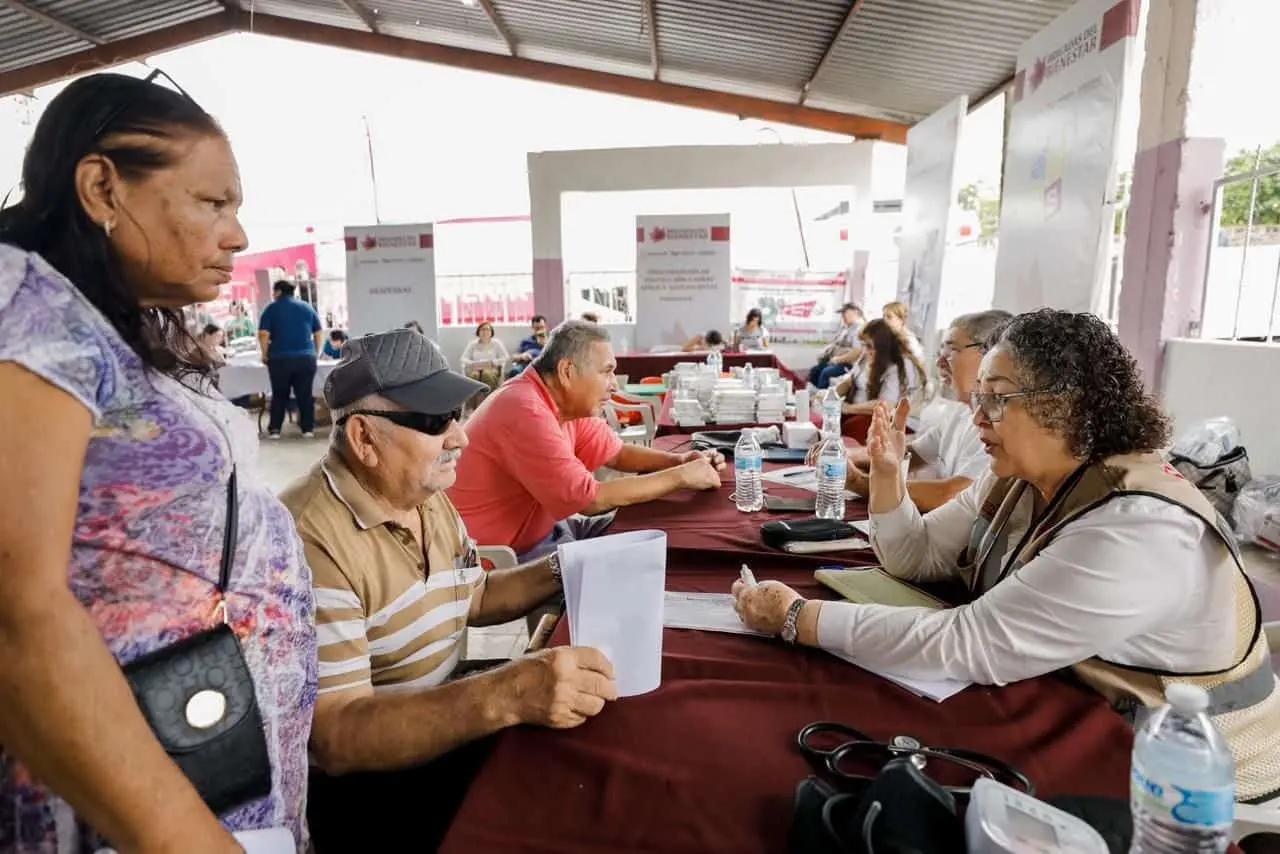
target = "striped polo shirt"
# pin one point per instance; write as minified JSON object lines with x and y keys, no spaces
{"x":387,"y":617}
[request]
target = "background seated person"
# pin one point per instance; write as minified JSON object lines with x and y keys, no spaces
{"x":333,"y":346}
{"x":484,"y":356}
{"x":948,"y":452}
{"x":530,"y":347}
{"x":397,"y":582}
{"x":896,"y":314}
{"x":711,"y":341}
{"x":527,"y":480}
{"x":751,"y":335}
{"x":1089,"y":551}
{"x":887,"y":370}
{"x":844,"y":342}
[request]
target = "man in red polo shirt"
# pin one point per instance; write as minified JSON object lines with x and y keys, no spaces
{"x":526,"y":480}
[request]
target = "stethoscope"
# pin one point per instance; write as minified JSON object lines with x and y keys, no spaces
{"x":855,"y":744}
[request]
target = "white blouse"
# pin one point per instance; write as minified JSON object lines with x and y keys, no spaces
{"x":1133,"y":581}
{"x":478,"y":353}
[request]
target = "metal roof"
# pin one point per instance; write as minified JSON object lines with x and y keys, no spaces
{"x":896,"y":60}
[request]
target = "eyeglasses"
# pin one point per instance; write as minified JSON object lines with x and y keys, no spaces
{"x":949,"y":351}
{"x":991,"y":405}
{"x":153,"y":77}
{"x":432,"y":425}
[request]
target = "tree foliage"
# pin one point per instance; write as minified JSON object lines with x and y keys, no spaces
{"x":1235,"y":196}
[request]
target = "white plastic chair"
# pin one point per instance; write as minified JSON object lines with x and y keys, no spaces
{"x":633,"y":434}
{"x":495,"y":557}
{"x":1251,"y":819}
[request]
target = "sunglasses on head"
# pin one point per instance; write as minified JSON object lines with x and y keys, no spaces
{"x":432,"y":425}
{"x":156,"y":77}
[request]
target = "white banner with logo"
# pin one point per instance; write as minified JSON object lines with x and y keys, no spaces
{"x":1067,"y":136}
{"x":926,"y":210}
{"x":682,"y":278}
{"x":797,"y":307}
{"x":391,"y":277}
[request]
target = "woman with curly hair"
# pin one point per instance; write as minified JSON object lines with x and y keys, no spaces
{"x":1082,"y":548}
{"x":887,"y":371}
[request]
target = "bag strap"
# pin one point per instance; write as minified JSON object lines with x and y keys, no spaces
{"x":230,"y":533}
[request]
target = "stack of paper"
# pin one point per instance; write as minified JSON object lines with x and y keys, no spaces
{"x":613,"y":594}
{"x":734,"y":406}
{"x":801,"y":477}
{"x":713,"y":612}
{"x":771,"y":405}
{"x":687,"y":412}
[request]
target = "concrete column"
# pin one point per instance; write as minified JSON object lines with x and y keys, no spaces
{"x":1171,"y":206}
{"x":549,"y":292}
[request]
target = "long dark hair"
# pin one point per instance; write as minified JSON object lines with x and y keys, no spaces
{"x":891,"y":352}
{"x":122,"y":118}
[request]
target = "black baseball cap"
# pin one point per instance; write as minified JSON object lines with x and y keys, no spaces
{"x":403,"y":366}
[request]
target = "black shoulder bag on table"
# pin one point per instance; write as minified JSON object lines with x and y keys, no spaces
{"x":198,"y":697}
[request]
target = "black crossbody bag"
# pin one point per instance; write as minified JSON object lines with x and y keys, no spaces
{"x":197,"y":695}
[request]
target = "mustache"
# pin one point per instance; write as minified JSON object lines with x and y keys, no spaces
{"x":449,"y":456}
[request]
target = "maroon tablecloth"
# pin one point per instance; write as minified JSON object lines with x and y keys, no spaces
{"x":637,"y":366}
{"x":706,"y":763}
{"x":708,"y":525}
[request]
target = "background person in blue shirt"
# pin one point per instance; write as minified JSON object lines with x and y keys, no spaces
{"x":290,"y":335}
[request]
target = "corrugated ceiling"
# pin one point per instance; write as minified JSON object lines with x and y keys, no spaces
{"x":897,"y":59}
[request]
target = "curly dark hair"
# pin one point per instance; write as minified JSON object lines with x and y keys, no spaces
{"x":128,"y":121}
{"x":1098,"y":400}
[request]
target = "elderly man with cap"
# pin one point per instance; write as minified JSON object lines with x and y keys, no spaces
{"x":396,"y":739}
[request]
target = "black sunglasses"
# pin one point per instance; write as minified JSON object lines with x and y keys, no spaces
{"x":153,"y":77}
{"x":432,"y":425}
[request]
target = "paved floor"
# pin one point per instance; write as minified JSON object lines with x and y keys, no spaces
{"x":284,"y":460}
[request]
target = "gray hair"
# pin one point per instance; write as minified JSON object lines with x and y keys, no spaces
{"x":983,"y":327}
{"x":570,"y":340}
{"x":338,"y":435}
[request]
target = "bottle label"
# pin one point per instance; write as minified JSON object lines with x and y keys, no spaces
{"x":742,"y":463}
{"x":835,"y":468}
{"x":1198,"y":808}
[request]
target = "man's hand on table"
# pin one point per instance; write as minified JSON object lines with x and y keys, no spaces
{"x":763,"y":606}
{"x":562,"y":687}
{"x":700,"y":473}
{"x":714,"y":457}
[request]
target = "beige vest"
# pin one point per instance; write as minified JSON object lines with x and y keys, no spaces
{"x":1244,"y":700}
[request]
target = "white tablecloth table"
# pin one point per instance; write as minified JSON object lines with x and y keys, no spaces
{"x":249,"y":376}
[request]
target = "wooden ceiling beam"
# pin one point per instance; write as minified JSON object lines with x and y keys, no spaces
{"x":504,"y":32}
{"x":854,"y":6}
{"x":366,"y":17}
{"x":651,"y":24}
{"x":580,"y":78}
{"x":118,"y":52}
{"x":52,"y":21}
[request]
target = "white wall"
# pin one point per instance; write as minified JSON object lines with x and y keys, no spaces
{"x":1206,"y":379}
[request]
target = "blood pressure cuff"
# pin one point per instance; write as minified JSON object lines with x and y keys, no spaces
{"x":901,"y":811}
{"x":778,"y":533}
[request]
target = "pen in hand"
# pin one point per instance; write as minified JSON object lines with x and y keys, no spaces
{"x":746,"y":575}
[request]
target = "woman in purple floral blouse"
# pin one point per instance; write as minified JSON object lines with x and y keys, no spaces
{"x":115,"y":454}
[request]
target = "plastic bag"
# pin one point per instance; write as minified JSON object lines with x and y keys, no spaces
{"x":1258,"y":513}
{"x":1208,"y":441}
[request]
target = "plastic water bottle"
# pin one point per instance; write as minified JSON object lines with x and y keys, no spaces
{"x":832,"y":468}
{"x":831,"y":412}
{"x":1182,"y":789}
{"x":748,"y":465}
{"x":749,"y":376}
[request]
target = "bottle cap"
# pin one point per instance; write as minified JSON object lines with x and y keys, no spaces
{"x":1184,"y":697}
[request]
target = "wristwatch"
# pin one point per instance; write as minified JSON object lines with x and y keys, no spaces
{"x":553,"y":561}
{"x":790,"y":629}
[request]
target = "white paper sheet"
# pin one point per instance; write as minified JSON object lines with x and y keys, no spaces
{"x":937,"y":690}
{"x":710,"y":612}
{"x":801,"y":477}
{"x":863,"y":525}
{"x":613,"y":589}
